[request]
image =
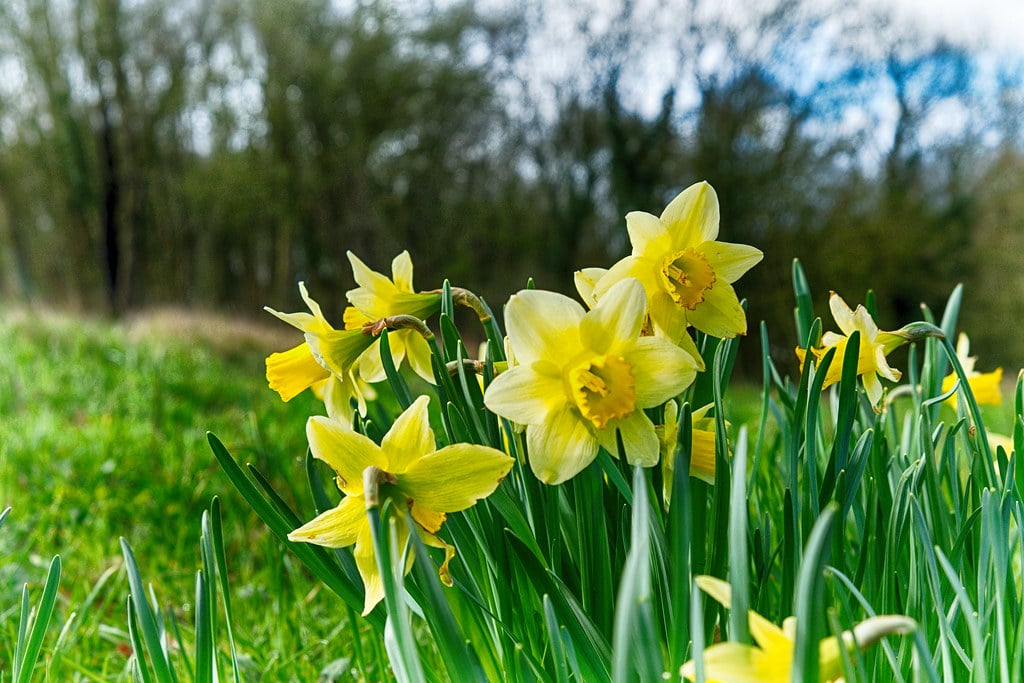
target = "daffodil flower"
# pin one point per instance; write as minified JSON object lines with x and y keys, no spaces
{"x":685,"y":271}
{"x":771,"y":661}
{"x":379,"y":297}
{"x":583,"y":377}
{"x":875,"y":345}
{"x":427,"y":482}
{"x":984,"y":385}
{"x":324,"y":359}
{"x":702,"y":449}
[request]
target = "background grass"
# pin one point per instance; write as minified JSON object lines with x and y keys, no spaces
{"x":103,"y":435}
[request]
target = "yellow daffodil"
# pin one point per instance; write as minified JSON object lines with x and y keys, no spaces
{"x":586,"y":279}
{"x":326,"y":356}
{"x":582,"y":377}
{"x":875,"y":345}
{"x":425,"y":481}
{"x":702,"y":451}
{"x":379,"y":297}
{"x":771,"y":661}
{"x":685,"y":271}
{"x":984,"y":385}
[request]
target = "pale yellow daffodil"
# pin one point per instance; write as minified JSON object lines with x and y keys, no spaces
{"x":702,"y":449}
{"x":325,"y":359}
{"x":583,"y":377}
{"x":984,"y":385}
{"x":686,"y":273}
{"x":875,"y":345}
{"x":771,"y":660}
{"x":379,"y":297}
{"x":419,"y":478}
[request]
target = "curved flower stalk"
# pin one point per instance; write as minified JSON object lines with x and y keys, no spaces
{"x":378,"y":297}
{"x":583,"y":377}
{"x":984,"y":385}
{"x":702,"y":452}
{"x":324,"y":361}
{"x":771,"y":661}
{"x":408,"y":471}
{"x":686,"y":273}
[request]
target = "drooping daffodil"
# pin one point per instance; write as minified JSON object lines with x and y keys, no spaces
{"x":324,"y":360}
{"x":771,"y":660}
{"x":686,"y":272}
{"x":702,"y":446}
{"x":984,"y":385}
{"x":379,"y":297}
{"x":874,"y":346}
{"x":417,"y":477}
{"x":583,"y":377}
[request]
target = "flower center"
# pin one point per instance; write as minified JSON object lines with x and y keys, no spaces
{"x":603,"y":389}
{"x":687,"y":275}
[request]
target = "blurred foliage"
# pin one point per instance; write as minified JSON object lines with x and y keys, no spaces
{"x":212,"y":153}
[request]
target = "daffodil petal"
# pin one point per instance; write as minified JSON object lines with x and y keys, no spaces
{"x":346,"y":451}
{"x":702,"y":456}
{"x":737,"y":663}
{"x":692,"y":217}
{"x":542,"y":324}
{"x":455,"y":477}
{"x":986,"y":387}
{"x":335,"y":528}
{"x":647,"y":233}
{"x":366,"y":563}
{"x":291,"y":372}
{"x":730,"y":261}
{"x":643,"y":269}
{"x":639,"y":440}
{"x":841,"y":313}
{"x":449,"y":552}
{"x":370,"y":366}
{"x":401,"y":271}
{"x":524,"y":395}
{"x":661,"y":370}
{"x":561,"y":446}
{"x":410,"y":437}
{"x":585,"y":280}
{"x":872,"y":387}
{"x":617,"y":318}
{"x":302,"y":321}
{"x":863,"y":322}
{"x":430,"y":520}
{"x":417,"y":352}
{"x":720,"y":314}
{"x":669,"y":318}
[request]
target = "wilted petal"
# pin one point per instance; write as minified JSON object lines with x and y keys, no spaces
{"x":346,"y":451}
{"x":455,"y":477}
{"x":560,"y":447}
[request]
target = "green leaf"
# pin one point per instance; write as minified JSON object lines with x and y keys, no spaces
{"x":810,"y":598}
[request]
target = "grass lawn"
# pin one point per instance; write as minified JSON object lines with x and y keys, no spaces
{"x":103,"y":435}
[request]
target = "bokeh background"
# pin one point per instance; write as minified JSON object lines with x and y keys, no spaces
{"x":210,"y":153}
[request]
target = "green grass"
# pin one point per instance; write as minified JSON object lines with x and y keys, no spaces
{"x":102,"y":436}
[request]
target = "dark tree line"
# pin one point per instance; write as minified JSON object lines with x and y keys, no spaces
{"x":213,"y":153}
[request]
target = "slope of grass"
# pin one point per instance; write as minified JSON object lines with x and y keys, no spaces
{"x":103,"y":435}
